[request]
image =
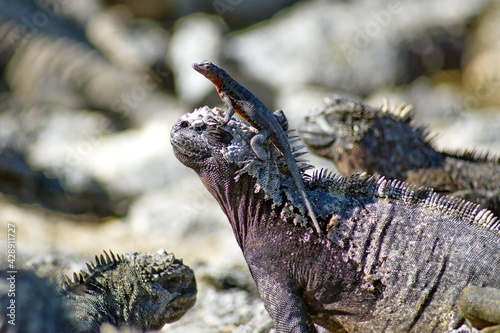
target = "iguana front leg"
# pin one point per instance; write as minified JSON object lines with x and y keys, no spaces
{"x":285,"y":306}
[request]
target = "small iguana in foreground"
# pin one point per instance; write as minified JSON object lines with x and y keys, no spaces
{"x":385,"y":141}
{"x":390,"y":257}
{"x":270,"y":126}
{"x":142,"y":291}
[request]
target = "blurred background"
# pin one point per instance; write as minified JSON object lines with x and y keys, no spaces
{"x":89,"y":90}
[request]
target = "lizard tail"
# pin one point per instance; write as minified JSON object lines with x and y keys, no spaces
{"x":311,"y":212}
{"x":302,"y":189}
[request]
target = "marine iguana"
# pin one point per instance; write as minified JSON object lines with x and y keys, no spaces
{"x":390,"y":257}
{"x":386,"y":141}
{"x":141,"y":291}
{"x":270,"y":126}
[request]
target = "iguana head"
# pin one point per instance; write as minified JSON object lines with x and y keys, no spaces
{"x":357,"y":138}
{"x":200,"y":141}
{"x":223,"y":157}
{"x":144,"y":290}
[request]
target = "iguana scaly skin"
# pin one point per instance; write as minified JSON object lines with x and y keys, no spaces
{"x":385,"y":141}
{"x":139,"y":290}
{"x":270,"y":126}
{"x":390,"y":257}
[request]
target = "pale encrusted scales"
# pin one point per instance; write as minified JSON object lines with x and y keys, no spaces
{"x":152,"y":266}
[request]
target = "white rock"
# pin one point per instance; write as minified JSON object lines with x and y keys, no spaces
{"x":196,"y":38}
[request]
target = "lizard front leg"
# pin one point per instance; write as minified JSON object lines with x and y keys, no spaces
{"x":229,"y":104}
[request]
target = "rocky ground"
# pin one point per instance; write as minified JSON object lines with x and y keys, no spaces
{"x":90,"y":89}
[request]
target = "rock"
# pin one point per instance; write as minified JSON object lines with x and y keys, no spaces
{"x":482,"y":59}
{"x":42,"y":155}
{"x":130,"y":43}
{"x":237,"y":14}
{"x":353,"y":47}
{"x":195,"y":37}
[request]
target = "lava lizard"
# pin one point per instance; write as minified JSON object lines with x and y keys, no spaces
{"x":238,"y":99}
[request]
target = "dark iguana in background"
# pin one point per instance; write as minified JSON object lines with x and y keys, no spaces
{"x":385,"y":141}
{"x":142,"y":291}
{"x":389,"y":258}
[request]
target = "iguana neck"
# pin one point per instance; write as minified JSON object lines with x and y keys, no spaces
{"x":245,"y":209}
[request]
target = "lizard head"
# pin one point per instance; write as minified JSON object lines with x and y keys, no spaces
{"x":210,"y":70}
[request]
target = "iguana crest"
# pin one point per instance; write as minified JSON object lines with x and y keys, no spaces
{"x":382,"y":188}
{"x":150,"y":266}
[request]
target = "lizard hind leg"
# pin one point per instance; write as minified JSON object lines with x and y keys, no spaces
{"x":257,"y":144}
{"x":261,"y":154}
